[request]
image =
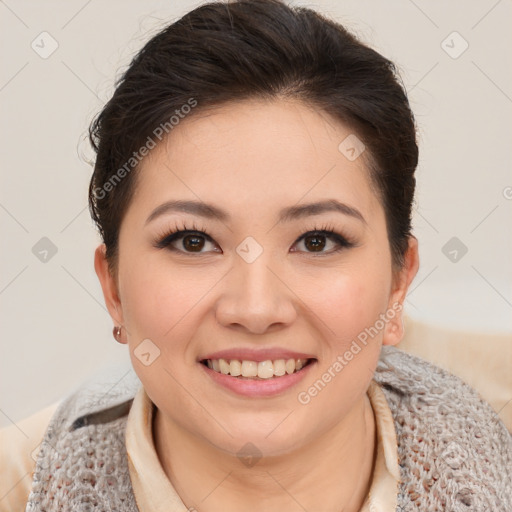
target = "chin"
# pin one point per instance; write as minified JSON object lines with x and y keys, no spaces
{"x":266,"y":436}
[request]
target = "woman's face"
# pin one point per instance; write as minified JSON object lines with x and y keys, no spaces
{"x":248,"y":285}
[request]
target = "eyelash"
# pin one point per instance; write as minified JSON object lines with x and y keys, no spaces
{"x":165,"y":239}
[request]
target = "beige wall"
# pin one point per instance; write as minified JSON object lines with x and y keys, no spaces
{"x":55,"y":330}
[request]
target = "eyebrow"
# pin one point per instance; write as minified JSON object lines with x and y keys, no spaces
{"x":288,"y":214}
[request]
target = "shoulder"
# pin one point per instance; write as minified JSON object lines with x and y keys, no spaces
{"x":101,"y":398}
{"x":105,"y":395}
{"x":19,"y":446}
{"x":450,"y":440}
{"x":90,"y":424}
{"x":417,"y":385}
{"x":403,"y":374}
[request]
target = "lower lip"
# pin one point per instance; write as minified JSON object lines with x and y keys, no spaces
{"x":258,"y":387}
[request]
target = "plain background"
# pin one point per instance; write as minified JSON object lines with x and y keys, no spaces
{"x":55,"y":329}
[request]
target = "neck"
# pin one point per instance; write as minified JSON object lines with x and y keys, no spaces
{"x":333,"y":471}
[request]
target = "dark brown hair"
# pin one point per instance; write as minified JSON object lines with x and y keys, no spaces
{"x":223,"y":52}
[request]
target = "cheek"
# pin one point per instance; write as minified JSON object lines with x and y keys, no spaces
{"x":351,"y":309}
{"x":147,"y":304}
{"x":161,"y":306}
{"x":353,"y":301}
{"x":157,"y":299}
{"x":167,"y":307}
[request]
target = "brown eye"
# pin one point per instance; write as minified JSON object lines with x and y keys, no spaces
{"x":194,"y":243}
{"x":315,"y":242}
{"x":185,"y":241}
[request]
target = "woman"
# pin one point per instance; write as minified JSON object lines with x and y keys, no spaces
{"x":253,"y":189}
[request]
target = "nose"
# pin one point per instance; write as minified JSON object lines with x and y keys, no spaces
{"x":256,"y":297}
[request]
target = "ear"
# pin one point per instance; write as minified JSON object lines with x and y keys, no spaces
{"x":108,"y":285}
{"x":394,"y":330}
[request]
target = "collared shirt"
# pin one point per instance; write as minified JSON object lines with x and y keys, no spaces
{"x":152,"y":489}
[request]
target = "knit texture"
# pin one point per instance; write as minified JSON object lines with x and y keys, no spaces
{"x":82,"y":464}
{"x":455,"y":454}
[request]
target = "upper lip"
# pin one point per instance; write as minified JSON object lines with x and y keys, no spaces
{"x":257,"y":355}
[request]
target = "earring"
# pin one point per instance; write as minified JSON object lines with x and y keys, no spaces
{"x":117,"y":333}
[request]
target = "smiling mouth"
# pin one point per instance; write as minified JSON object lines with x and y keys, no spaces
{"x":254,"y":370}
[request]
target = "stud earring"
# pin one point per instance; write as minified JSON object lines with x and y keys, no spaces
{"x":117,"y":333}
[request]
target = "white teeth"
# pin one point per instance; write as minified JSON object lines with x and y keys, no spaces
{"x":279,"y":367}
{"x":263,"y":369}
{"x":249,"y":369}
{"x":290,"y":366}
{"x":224,"y":366}
{"x":235,"y":368}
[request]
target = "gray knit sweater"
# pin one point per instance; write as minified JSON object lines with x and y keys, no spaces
{"x":454,"y":452}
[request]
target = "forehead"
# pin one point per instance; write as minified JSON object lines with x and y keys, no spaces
{"x":254,"y":156}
